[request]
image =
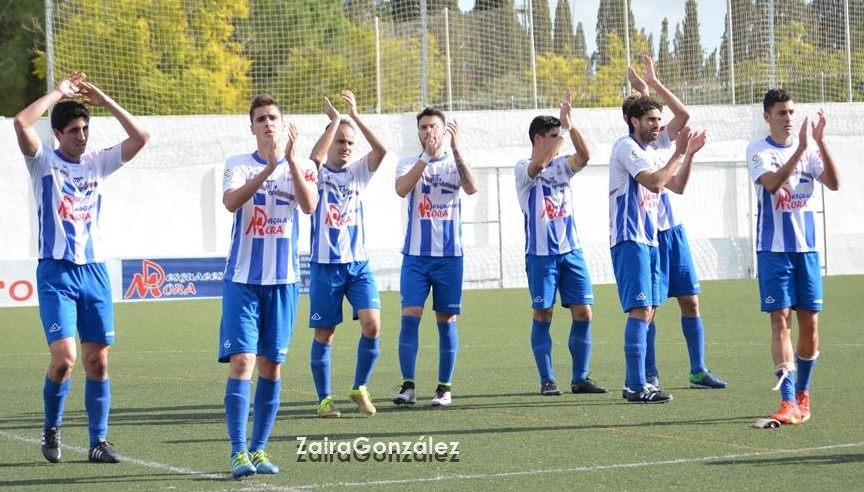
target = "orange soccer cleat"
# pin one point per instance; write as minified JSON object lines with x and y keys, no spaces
{"x":802,"y":397}
{"x":788,"y":413}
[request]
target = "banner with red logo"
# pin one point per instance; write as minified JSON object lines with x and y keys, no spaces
{"x":182,"y":278}
{"x":172,"y":278}
{"x":18,"y":283}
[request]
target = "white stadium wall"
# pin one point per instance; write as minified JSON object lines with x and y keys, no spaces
{"x":166,"y":203}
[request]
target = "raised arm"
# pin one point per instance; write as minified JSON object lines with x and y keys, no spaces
{"x":28,"y":139}
{"x":305,"y":191}
{"x":830,"y":177}
{"x":680,"y":116}
{"x":679,"y":181}
{"x":137,"y":135}
{"x":637,"y":83}
{"x":466,"y":174}
{"x":583,"y":153}
{"x":319,"y":151}
{"x":657,"y":180}
{"x":376,"y":155}
{"x":772,"y":181}
{"x":543,"y":152}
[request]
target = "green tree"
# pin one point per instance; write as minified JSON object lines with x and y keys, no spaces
{"x":165,"y":58}
{"x":317,"y":26}
{"x":580,"y":45}
{"x":610,"y":83}
{"x":542,"y":26}
{"x":688,"y":50}
{"x":491,"y":73}
{"x":555,"y":73}
{"x":562,"y":35}
{"x":611,"y":20}
{"x":665,"y":63}
{"x":21,"y":37}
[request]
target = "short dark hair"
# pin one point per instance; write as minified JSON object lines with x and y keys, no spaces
{"x":429,"y":111}
{"x":774,"y":96}
{"x":542,"y":124}
{"x":260,"y":101}
{"x":628,"y":101}
{"x":66,"y":111}
{"x":639,"y":107}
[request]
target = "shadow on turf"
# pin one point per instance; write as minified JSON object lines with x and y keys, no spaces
{"x":820,"y":459}
{"x":117,"y":479}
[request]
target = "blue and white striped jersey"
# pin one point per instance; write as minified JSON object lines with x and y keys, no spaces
{"x":264,"y":236}
{"x":434,"y":209}
{"x":338,"y":232}
{"x":785,"y":221}
{"x":632,"y":207}
{"x":547,"y":208}
{"x":69,"y":201}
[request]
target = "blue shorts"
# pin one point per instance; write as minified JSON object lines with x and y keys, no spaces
{"x":677,"y":272}
{"x":566,"y":273}
{"x":637,"y":273}
{"x":75,"y":298}
{"x":331,"y":282}
{"x":789,"y":280}
{"x":257,"y":319}
{"x":442,"y":274}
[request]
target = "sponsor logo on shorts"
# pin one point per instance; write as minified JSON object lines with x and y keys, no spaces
{"x":227,"y":344}
{"x":54,"y":328}
{"x":315,"y":317}
{"x":769,"y":300}
{"x":641,"y":296}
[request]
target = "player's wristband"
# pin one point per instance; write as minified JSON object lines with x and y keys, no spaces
{"x":564,"y":131}
{"x":425,"y":157}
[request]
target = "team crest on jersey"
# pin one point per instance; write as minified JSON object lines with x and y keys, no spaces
{"x":335,"y":218}
{"x":261,"y":225}
{"x":427,"y":210}
{"x":553,"y":211}
{"x":787,"y":200}
{"x":69,"y":212}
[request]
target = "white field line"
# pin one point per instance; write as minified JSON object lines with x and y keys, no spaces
{"x":251,"y":485}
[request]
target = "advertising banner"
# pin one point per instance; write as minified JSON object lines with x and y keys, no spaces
{"x":172,"y":278}
{"x":18,"y":283}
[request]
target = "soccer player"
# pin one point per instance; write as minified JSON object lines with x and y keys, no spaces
{"x":553,"y":255}
{"x":339,"y":266}
{"x":637,"y":175}
{"x":263,"y":190}
{"x":432,"y":253}
{"x":678,"y":276}
{"x":784,"y":170}
{"x":73,"y":285}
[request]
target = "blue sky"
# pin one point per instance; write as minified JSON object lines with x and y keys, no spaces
{"x":648,"y":14}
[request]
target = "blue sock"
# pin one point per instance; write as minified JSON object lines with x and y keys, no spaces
{"x":54,"y":400}
{"x":409,"y":344}
{"x":541,"y":345}
{"x":579,"y":344}
{"x":650,"y":352}
{"x":694,"y":335}
{"x":264,"y":411}
{"x":635,"y":334}
{"x":97,"y":402}
{"x":448,"y":347}
{"x":805,"y":372}
{"x":319,"y":361}
{"x":367,"y":355}
{"x":787,"y":388}
{"x":237,"y":412}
